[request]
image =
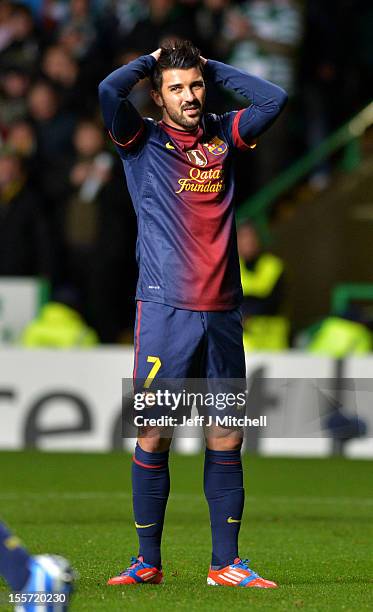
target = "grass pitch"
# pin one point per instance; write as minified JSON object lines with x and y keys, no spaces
{"x":308,"y":524}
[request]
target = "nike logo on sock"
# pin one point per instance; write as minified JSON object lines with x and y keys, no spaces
{"x":232,"y":520}
{"x":144,"y":526}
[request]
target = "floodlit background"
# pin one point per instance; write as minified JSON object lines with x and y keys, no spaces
{"x":68,"y":231}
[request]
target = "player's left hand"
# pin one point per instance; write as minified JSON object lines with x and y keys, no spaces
{"x":156,"y":53}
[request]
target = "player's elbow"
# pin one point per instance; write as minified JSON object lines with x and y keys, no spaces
{"x":107,"y":96}
{"x":103,"y":90}
{"x":274,"y":104}
{"x":282,"y":98}
{"x":107,"y":102}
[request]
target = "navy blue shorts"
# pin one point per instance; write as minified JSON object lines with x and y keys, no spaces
{"x":199,"y":354}
{"x":172,"y":343}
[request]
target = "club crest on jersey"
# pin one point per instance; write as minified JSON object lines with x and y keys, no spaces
{"x":216,"y":146}
{"x":196,"y":157}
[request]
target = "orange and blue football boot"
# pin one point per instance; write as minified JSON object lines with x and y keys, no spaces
{"x":238,"y":574}
{"x":138,"y":573}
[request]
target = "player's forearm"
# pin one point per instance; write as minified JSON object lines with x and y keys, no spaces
{"x":257,"y":90}
{"x":115,"y":88}
{"x":267,"y":100}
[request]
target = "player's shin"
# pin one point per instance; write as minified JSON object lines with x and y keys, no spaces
{"x":223,"y":484}
{"x":150,"y":487}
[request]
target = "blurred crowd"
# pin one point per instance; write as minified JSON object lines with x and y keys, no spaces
{"x":65,"y":213}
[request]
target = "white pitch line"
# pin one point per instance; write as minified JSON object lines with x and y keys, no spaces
{"x":89,"y":495}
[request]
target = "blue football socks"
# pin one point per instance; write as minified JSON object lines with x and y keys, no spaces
{"x":14,"y":560}
{"x":223,"y":484}
{"x":150,"y":488}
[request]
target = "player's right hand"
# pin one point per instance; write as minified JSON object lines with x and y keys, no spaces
{"x":156,"y":54}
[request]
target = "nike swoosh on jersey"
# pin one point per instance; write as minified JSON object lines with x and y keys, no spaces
{"x":144,"y":526}
{"x":169,"y":146}
{"x":232,"y":520}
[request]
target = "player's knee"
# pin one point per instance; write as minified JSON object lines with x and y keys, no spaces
{"x":154,"y":443}
{"x":230,"y":441}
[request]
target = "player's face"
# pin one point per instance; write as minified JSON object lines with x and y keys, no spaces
{"x":182,"y":97}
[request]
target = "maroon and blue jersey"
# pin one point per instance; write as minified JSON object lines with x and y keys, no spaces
{"x":182,"y":187}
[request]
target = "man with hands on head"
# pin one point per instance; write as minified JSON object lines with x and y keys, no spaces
{"x":188,"y":323}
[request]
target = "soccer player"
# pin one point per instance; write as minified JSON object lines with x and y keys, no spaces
{"x":29,"y":577}
{"x":180,"y":176}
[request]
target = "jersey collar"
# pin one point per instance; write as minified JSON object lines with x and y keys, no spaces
{"x":185,"y":140}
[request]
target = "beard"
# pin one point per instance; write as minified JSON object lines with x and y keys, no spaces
{"x":182,"y":119}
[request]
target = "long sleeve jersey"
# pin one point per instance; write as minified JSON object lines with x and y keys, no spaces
{"x":182,"y":186}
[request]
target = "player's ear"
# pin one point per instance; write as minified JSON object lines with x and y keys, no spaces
{"x":157,"y":97}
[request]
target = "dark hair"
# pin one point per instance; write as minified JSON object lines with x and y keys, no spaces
{"x":175,"y":54}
